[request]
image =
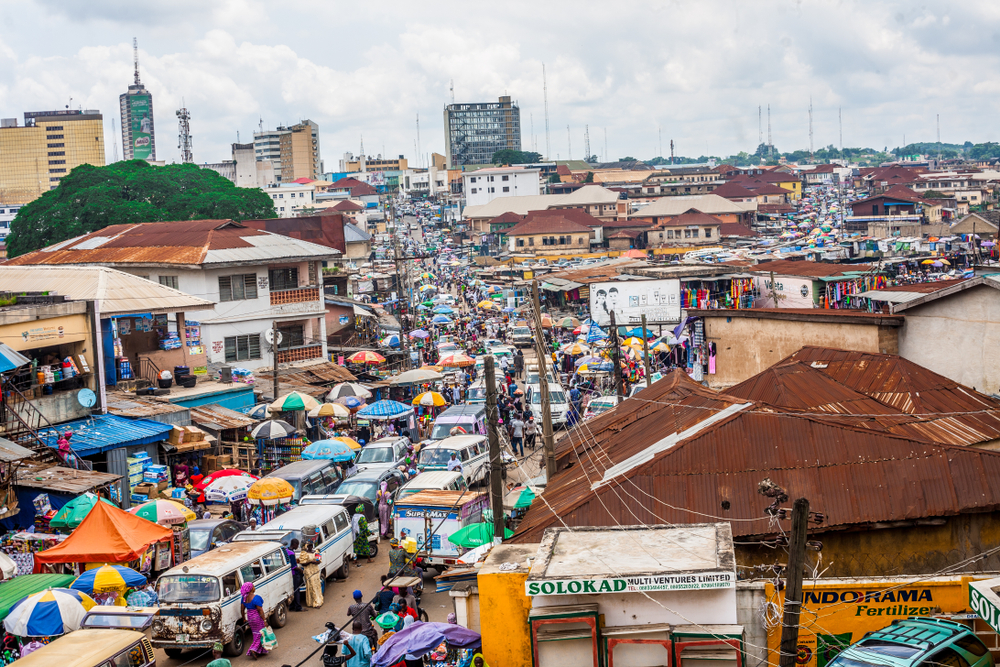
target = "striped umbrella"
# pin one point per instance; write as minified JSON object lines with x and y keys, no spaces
{"x":48,"y":613}
{"x":429,"y":399}
{"x":271,"y":430}
{"x":164,"y":512}
{"x":330,"y":410}
{"x":366,"y":357}
{"x":108,"y":578}
{"x":348,"y":389}
{"x":294,"y":401}
{"x":350,"y":442}
{"x":456,"y":360}
{"x":575,"y":349}
{"x":392,"y":340}
{"x":270,"y":491}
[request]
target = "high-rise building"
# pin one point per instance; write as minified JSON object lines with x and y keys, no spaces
{"x":138,"y":134}
{"x":294,"y":151}
{"x":35,"y":157}
{"x":474,"y":132}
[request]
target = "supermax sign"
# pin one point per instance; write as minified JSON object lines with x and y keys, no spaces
{"x":674,"y":582}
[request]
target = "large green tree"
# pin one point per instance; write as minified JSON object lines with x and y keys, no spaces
{"x":91,"y":198}
{"x":509,"y":156}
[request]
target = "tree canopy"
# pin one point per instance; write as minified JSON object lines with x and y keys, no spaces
{"x":508,"y":156}
{"x":92,"y":198}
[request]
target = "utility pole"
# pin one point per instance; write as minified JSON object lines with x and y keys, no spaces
{"x":645,"y":351}
{"x":274,"y":353}
{"x":496,"y":465}
{"x":793,"y":584}
{"x":616,"y":356}
{"x":403,"y":338}
{"x":543,"y":386}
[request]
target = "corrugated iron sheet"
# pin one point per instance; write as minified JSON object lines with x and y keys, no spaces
{"x":218,"y":416}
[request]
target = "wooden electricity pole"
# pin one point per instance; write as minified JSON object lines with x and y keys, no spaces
{"x":645,"y":351}
{"x":793,"y":584}
{"x":616,"y":352}
{"x":496,"y":464}
{"x":274,"y":353}
{"x":548,"y":441}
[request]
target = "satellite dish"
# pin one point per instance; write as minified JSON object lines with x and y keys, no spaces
{"x":86,"y":398}
{"x":269,"y":337}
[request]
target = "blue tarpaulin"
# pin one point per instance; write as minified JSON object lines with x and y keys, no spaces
{"x":104,"y":432}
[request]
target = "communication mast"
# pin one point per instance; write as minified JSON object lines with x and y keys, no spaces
{"x":545,"y":99}
{"x":770,"y":146}
{"x":184,"y":135}
{"x":671,"y":151}
{"x":420,"y":162}
{"x":135,"y":59}
{"x":586,"y":142}
{"x":810,"y":127}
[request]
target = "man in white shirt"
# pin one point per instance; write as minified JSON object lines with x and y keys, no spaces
{"x":454,"y":463}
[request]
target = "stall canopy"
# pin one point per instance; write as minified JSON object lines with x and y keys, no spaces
{"x":17,"y":589}
{"x":107,"y":535}
{"x":103,"y":432}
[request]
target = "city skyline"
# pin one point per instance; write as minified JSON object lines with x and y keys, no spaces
{"x":693,"y":73}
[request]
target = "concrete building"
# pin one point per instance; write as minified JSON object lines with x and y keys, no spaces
{"x":138,"y":129}
{"x":351,"y":163}
{"x":484,"y":185}
{"x":292,"y":199}
{"x":35,"y":157}
{"x":474,"y":132}
{"x":254,"y":278}
{"x":551,"y":234}
{"x":294,"y":151}
{"x":689,"y":228}
{"x":7,"y":214}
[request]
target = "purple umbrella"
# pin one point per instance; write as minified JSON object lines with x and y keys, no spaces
{"x":421,"y":638}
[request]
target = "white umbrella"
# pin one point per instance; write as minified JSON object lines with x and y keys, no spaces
{"x":272,"y":429}
{"x":348,"y":389}
{"x":230,"y":488}
{"x":7,"y":566}
{"x":416,"y":376}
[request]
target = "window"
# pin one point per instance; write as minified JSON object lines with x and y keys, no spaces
{"x":687,"y":233}
{"x":971,"y":644}
{"x":53,"y":179}
{"x":563,"y":240}
{"x":946,"y":657}
{"x":274,"y":561}
{"x":287,"y":278}
{"x":240,"y":287}
{"x":242,"y":348}
{"x":281,"y":196}
{"x":54,"y":128}
{"x":531,"y":241}
{"x":506,"y":188}
{"x":57,"y":171}
{"x":472,"y":179}
{"x":169,"y":281}
{"x":252,"y":571}
{"x":708,"y":233}
{"x":57,"y":161}
{"x":520,"y":243}
{"x":131,"y":657}
{"x":474,"y":191}
{"x":230,"y":585}
{"x":54,"y":136}
{"x":291,"y":336}
{"x":56,"y":153}
{"x":56,"y":146}
{"x":579,"y":241}
{"x":341,"y":521}
{"x":505,"y":178}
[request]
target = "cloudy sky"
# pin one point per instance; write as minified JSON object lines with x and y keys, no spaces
{"x":691,"y":71}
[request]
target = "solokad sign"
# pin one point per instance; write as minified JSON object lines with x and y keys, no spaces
{"x":640,"y":584}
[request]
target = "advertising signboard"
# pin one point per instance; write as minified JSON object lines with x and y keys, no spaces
{"x":790,"y":292}
{"x":141,"y":113}
{"x":639,"y":584}
{"x":658,"y":300}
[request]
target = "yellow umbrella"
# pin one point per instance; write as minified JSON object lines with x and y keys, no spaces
{"x":296,"y":400}
{"x":486,"y":305}
{"x":429,"y":399}
{"x":660,"y":347}
{"x":350,"y":442}
{"x":927,"y":261}
{"x":270,"y":491}
{"x":944,"y":261}
{"x":633,"y":342}
{"x":330,"y":410}
{"x":575,"y":348}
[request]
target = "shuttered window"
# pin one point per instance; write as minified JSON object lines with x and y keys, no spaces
{"x":238,"y":288}
{"x":242,"y":348}
{"x":286,"y":278}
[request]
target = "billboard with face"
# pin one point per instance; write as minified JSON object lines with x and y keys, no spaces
{"x":658,"y":300}
{"x":141,"y":109}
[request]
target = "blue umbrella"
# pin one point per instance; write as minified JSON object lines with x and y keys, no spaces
{"x":440,"y":319}
{"x":259,"y":411}
{"x":392,"y":340}
{"x":328,"y":449}
{"x":423,"y":307}
{"x":419,"y":333}
{"x":444,"y":310}
{"x":11,"y":358}
{"x":108,"y":577}
{"x":54,"y":611}
{"x":509,"y":309}
{"x":384,"y":409}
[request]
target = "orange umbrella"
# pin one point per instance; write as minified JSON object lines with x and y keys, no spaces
{"x":456,"y":360}
{"x":366,"y":357}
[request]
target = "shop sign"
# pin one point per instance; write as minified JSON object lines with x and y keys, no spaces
{"x":985,"y":602}
{"x":666,"y":582}
{"x":42,"y":333}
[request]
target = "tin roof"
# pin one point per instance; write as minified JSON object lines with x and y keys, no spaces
{"x":11,"y":451}
{"x":790,"y":267}
{"x":103,"y":432}
{"x":65,"y":480}
{"x":219,"y":418}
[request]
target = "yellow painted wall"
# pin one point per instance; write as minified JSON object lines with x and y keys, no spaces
{"x":504,"y":607}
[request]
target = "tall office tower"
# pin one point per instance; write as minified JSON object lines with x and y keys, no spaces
{"x":138,"y":135}
{"x":474,"y":132}
{"x":34,"y":158}
{"x":294,"y":151}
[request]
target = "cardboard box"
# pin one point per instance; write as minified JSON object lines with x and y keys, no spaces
{"x":144,"y":489}
{"x":224,"y":461}
{"x":161,"y":485}
{"x":193,"y":434}
{"x":176,"y":437}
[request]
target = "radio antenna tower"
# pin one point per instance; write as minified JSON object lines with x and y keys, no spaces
{"x":545,"y":99}
{"x":810,"y":127}
{"x":135,"y":59}
{"x":184,"y":135}
{"x":770,"y":146}
{"x":420,"y":162}
{"x":671,"y":151}
{"x":586,"y":143}
{"x":760,"y":127}
{"x":452,"y":89}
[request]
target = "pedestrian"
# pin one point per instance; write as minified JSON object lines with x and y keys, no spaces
{"x":384,"y":599}
{"x":362,"y":612}
{"x":384,"y":501}
{"x":297,"y":578}
{"x":454,"y":463}
{"x":252,"y":609}
{"x":330,"y":657}
{"x":518,"y":364}
{"x":309,"y":560}
{"x":217,"y":659}
{"x":517,"y":435}
{"x":529,"y":432}
{"x":362,"y":644}
{"x":362,"y":547}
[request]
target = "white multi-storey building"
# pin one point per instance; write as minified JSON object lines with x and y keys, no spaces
{"x":485,"y":185}
{"x":290,"y":200}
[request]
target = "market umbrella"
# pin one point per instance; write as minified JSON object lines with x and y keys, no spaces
{"x":416,"y":376}
{"x":108,"y":578}
{"x":348,"y":389}
{"x":440,"y":319}
{"x":589,"y":360}
{"x":486,"y":305}
{"x":546,"y":321}
{"x":366,"y":357}
{"x":296,"y":400}
{"x":430,"y":399}
{"x":11,"y":358}
{"x":427,"y":276}
{"x":272,"y":429}
{"x":569,"y":322}
{"x":259,"y":411}
{"x":49,"y":613}
{"x":419,"y":333}
{"x":575,"y":348}
{"x":350,"y":442}
{"x":208,"y":479}
{"x":335,"y":450}
{"x":422,"y":638}
{"x":632,"y":342}
{"x":428,"y":303}
{"x":475,"y":534}
{"x":228,"y":489}
{"x":427,"y":288}
{"x":456,"y":360}
{"x":443,"y":310}
{"x":330,"y":410}
{"x":525,"y":499}
{"x":163,"y":512}
{"x":72,"y":513}
{"x":352,"y":403}
{"x":270,"y":491}
{"x":385,"y":409}
{"x":392,"y":340}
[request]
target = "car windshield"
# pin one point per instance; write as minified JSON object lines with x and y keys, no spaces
{"x":597,"y":407}
{"x":199,"y":539}
{"x":522,"y":331}
{"x":374,"y":455}
{"x":435,"y":457}
{"x":554,"y":397}
{"x":116,"y":621}
{"x":357,"y":488}
{"x":188,"y":588}
{"x":891,"y":649}
{"x":442,"y":431}
{"x":476,"y":394}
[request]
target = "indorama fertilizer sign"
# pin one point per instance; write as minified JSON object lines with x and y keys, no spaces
{"x":672,"y":582}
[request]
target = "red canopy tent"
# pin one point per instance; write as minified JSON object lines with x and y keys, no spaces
{"x":106,"y":535}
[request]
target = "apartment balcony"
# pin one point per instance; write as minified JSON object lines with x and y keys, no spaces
{"x":297,"y":295}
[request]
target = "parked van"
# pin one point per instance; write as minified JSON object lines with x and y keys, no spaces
{"x":334,"y":541}
{"x":471,"y":418}
{"x":441,"y":480}
{"x":200,"y":599}
{"x":473,"y":453}
{"x":476,"y":393}
{"x":94,"y":648}
{"x":558,"y":403}
{"x":310,"y":477}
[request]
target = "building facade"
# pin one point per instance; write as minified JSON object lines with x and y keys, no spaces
{"x":138,"y":131}
{"x":35,"y":157}
{"x":485,"y":185}
{"x":294,"y":151}
{"x":474,"y":132}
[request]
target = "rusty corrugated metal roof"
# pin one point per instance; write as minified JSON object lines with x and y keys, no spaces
{"x":216,"y":415}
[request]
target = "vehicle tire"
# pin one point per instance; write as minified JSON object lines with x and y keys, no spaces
{"x":345,"y":570}
{"x":279,"y":617}
{"x":423,"y":615}
{"x":174,"y":653}
{"x":373,"y":546}
{"x":236,"y":647}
